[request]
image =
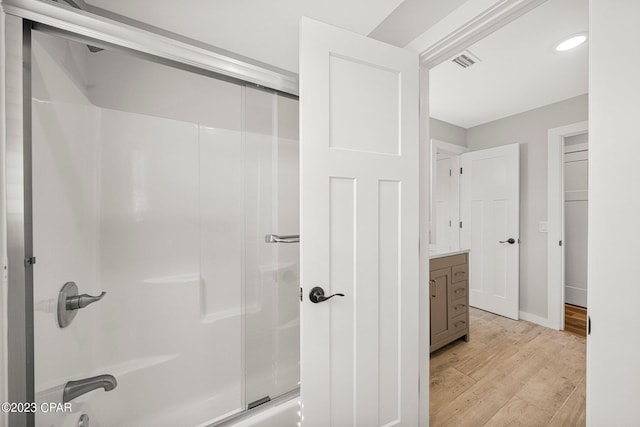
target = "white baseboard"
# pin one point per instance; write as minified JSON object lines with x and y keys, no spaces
{"x":575,"y":296}
{"x":533,"y":318}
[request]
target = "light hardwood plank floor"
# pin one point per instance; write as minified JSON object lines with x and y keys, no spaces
{"x":575,"y":320}
{"x":510,"y":373}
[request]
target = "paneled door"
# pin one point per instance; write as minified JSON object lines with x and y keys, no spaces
{"x":359,"y":230}
{"x":490,"y":201}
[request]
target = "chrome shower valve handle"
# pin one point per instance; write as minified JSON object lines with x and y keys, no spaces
{"x":81,"y":301}
{"x":69,"y":302}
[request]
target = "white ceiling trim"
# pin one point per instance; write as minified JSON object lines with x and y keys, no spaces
{"x":468,"y":24}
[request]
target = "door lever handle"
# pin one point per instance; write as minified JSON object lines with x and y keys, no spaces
{"x":317,"y":295}
{"x":510,"y":240}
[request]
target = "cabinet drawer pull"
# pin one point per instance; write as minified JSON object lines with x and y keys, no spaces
{"x":433,"y":288}
{"x":462,"y":322}
{"x":457,"y":273}
{"x":459,"y":306}
{"x":457,"y":291}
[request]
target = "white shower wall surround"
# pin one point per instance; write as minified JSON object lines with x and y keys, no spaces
{"x":158,"y":186}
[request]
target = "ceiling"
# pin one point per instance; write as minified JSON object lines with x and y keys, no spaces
{"x":264,"y":30}
{"x":518,"y":68}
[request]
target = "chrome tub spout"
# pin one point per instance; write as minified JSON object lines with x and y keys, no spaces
{"x":73,"y":389}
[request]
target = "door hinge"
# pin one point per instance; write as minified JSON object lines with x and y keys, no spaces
{"x":560,"y":243}
{"x":29,"y":261}
{"x":449,"y":223}
{"x":460,"y":171}
{"x":300,"y":294}
{"x":588,"y":325}
{"x":460,"y":224}
{"x":449,"y":172}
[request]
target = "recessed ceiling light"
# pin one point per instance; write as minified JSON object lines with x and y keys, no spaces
{"x":571,"y":42}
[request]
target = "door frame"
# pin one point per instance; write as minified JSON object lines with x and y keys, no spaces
{"x":469,"y":23}
{"x":555,"y":221}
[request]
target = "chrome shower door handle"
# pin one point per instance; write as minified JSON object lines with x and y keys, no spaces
{"x":317,"y":295}
{"x":274,"y":238}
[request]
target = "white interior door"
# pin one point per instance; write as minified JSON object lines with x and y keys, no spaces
{"x":490,"y":201}
{"x":576,"y":198}
{"x":359,"y":229}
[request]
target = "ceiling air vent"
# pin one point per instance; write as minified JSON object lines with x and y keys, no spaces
{"x":466,"y":59}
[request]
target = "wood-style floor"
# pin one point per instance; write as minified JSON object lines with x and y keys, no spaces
{"x":575,"y":320}
{"x":510,"y":373}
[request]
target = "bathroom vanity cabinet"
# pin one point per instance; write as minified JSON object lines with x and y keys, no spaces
{"x":449,"y":298}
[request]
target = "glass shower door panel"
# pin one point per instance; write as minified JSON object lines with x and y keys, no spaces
{"x":64,"y":226}
{"x":137,"y":193}
{"x":272,"y":269}
{"x":288,"y":222}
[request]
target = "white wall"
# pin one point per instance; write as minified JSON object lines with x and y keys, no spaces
{"x":613,"y":348}
{"x":447,"y":132}
{"x":529,"y":129}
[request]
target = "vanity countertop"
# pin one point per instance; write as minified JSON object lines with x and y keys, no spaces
{"x":433,"y":255}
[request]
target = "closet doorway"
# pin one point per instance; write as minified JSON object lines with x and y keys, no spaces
{"x":568,"y":214}
{"x":576,"y":198}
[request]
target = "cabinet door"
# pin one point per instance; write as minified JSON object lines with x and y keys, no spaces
{"x":439,"y":287}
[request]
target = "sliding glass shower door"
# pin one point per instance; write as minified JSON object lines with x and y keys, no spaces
{"x":272,"y":320}
{"x":157,"y":186}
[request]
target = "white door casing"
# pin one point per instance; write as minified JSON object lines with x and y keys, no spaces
{"x":359,"y":229}
{"x":490,"y":204}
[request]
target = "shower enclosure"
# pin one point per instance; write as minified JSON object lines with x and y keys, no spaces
{"x":164,"y":189}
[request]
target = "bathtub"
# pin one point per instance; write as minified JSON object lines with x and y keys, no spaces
{"x":282,"y":413}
